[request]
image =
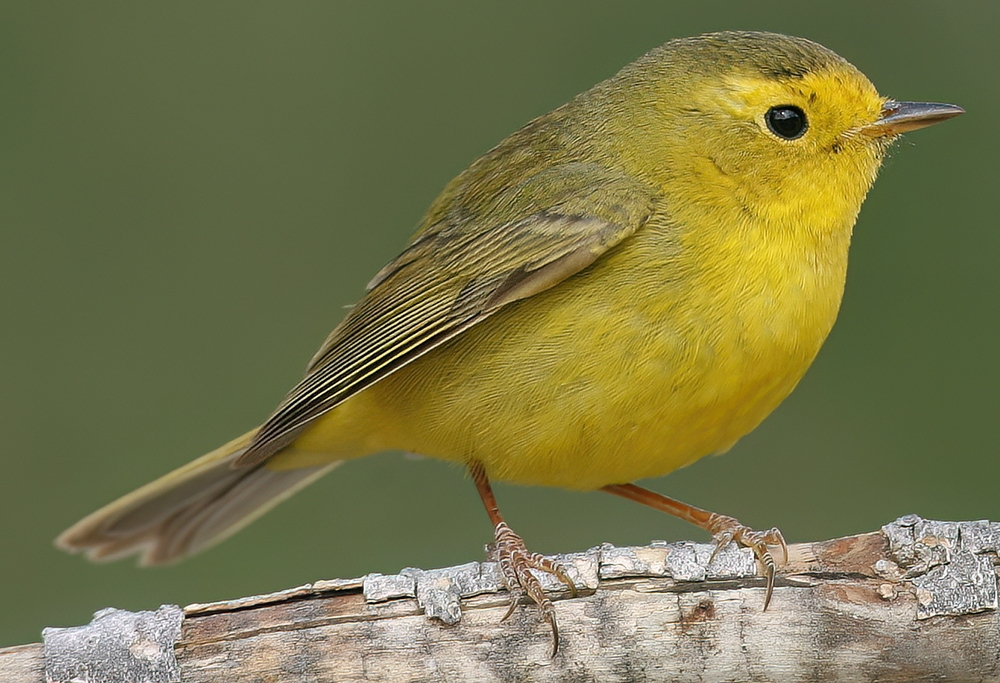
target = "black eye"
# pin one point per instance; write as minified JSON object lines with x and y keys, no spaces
{"x":786,"y":121}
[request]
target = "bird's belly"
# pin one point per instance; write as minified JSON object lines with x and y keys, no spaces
{"x":595,"y":382}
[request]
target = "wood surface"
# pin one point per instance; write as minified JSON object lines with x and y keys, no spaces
{"x":915,"y":601}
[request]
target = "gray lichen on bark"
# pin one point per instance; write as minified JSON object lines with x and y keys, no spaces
{"x":439,"y":591}
{"x":116,"y":647}
{"x":950,"y":564}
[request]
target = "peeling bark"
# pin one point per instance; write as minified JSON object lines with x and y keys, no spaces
{"x":917,"y":600}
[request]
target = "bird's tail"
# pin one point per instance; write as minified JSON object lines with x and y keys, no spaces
{"x":187,"y":510}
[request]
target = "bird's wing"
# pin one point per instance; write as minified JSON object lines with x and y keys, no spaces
{"x":457,"y":272}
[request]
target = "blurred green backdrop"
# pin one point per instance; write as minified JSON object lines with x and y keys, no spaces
{"x":191,"y":192}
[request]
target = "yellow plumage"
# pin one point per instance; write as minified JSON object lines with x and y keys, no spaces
{"x":672,"y":346}
{"x":604,"y":379}
{"x":626,"y":284}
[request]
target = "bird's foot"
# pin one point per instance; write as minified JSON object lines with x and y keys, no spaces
{"x":516,"y":563}
{"x":726,"y":529}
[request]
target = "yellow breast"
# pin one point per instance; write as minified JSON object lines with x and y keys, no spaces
{"x":671,"y":348}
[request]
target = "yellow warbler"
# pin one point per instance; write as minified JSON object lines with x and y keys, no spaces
{"x":626,"y":284}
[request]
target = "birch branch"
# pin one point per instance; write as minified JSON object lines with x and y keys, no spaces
{"x":916,"y":600}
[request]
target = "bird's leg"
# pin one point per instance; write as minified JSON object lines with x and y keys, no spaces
{"x":723,"y":529}
{"x":516,"y":562}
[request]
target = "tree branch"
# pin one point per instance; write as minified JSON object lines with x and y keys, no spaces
{"x":917,"y":600}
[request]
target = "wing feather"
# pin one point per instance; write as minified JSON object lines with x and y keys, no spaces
{"x":456,"y":273}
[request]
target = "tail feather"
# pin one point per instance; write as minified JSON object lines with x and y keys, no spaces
{"x":208,"y":522}
{"x":187,"y":510}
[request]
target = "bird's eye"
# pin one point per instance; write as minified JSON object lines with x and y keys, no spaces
{"x":786,"y":121}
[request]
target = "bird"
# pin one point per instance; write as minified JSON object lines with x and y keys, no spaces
{"x":624,"y":285}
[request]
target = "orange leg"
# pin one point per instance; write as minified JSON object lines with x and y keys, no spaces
{"x":723,"y":529}
{"x":515,"y":560}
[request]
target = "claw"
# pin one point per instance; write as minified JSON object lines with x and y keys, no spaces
{"x":720,"y":540}
{"x":516,"y":593}
{"x":724,"y":529}
{"x":727,"y":530}
{"x":515,"y":564}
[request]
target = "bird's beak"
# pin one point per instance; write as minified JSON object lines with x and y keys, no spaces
{"x":902,"y":117}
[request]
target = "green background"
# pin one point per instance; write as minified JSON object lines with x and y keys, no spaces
{"x":191,"y":192}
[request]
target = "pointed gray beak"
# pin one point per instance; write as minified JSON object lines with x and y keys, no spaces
{"x":902,"y":117}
